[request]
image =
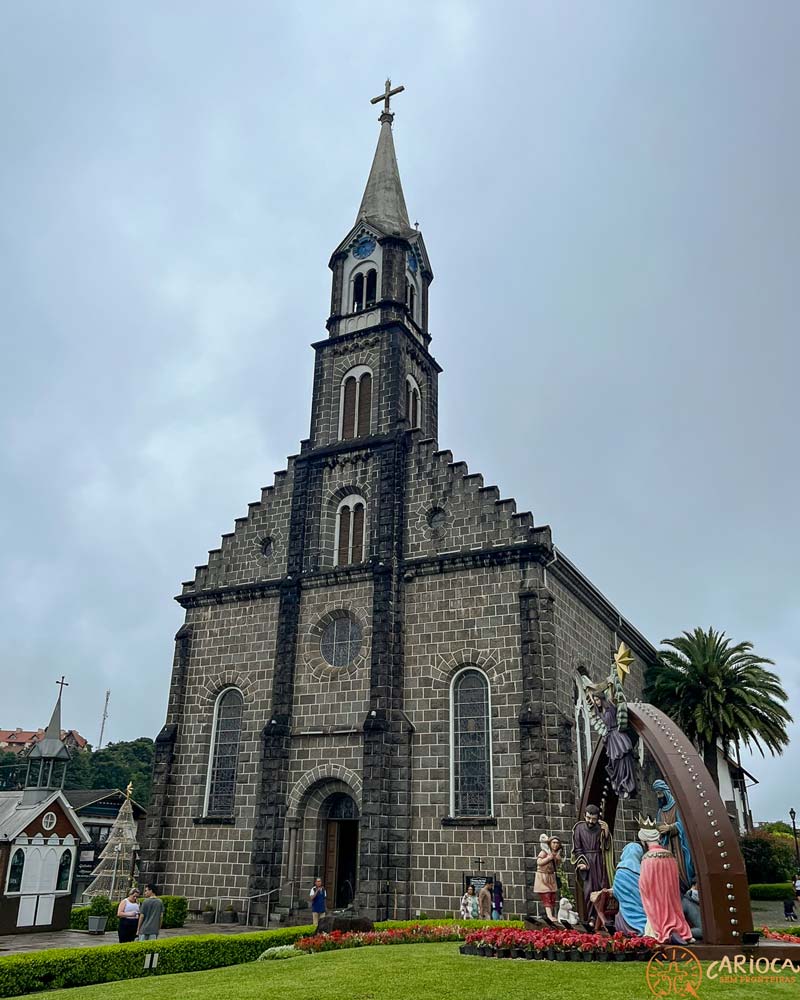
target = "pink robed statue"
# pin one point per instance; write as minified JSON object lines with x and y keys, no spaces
{"x":660,"y":889}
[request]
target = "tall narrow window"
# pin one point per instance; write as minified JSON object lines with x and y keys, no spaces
{"x":411,"y":298}
{"x":15,"y":871}
{"x":412,"y":403}
{"x":471,"y":736}
{"x":358,"y":293}
{"x":225,"y":739}
{"x":64,"y":871}
{"x":350,"y":531}
{"x":372,"y":288}
{"x":355,"y":406}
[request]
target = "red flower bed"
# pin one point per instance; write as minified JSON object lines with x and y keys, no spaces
{"x":417,"y":934}
{"x":778,"y":936}
{"x":502,"y":939}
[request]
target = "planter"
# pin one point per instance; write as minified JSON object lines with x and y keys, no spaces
{"x":484,"y":952}
{"x":574,"y":955}
{"x":601,"y":956}
{"x":643,"y":956}
{"x":550,"y":955}
{"x":97,"y":925}
{"x":561,"y":956}
{"x":227,"y":917}
{"x":518,"y":953}
{"x":587,"y":956}
{"x":530,"y":955}
{"x":503,"y":953}
{"x":620,"y":956}
{"x":207,"y":916}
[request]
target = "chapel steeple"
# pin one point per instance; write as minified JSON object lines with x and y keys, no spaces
{"x":381,"y":270}
{"x":48,"y":759}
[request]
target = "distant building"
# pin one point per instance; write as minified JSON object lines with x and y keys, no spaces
{"x":734,"y":782}
{"x":97,"y":808}
{"x":18,"y":740}
{"x":40,"y":836}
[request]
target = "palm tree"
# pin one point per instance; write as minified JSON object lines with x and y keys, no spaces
{"x":719,"y":693}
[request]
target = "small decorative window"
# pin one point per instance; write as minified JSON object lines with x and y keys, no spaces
{"x":350,"y":531}
{"x":413,"y":408}
{"x":64,"y":871}
{"x":437,"y":523}
{"x":355,"y":406}
{"x":265,"y":547}
{"x":48,"y":821}
{"x":223,"y":764}
{"x":341,"y":641}
{"x":15,"y":871}
{"x":471,"y":769}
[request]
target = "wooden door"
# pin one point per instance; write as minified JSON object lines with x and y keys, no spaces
{"x":331,"y":858}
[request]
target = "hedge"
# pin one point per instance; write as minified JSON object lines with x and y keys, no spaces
{"x":60,"y":968}
{"x":772,"y":891}
{"x":176,"y":909}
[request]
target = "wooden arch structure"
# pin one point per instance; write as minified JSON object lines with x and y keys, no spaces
{"x":718,"y":862}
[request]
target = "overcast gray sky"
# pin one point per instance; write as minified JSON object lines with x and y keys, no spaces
{"x":608,"y":192}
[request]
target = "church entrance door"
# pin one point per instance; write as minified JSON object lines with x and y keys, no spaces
{"x":341,"y":851}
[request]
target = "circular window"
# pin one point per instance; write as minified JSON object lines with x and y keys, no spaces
{"x":265,"y":545}
{"x":341,"y":641}
{"x":437,"y":522}
{"x":49,"y":820}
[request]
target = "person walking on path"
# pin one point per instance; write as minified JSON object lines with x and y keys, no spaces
{"x":151,"y":915}
{"x":318,"y":901}
{"x":486,"y":900}
{"x":128,"y":914}
{"x":469,"y":904}
{"x":497,"y":901}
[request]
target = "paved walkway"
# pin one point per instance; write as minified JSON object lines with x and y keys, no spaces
{"x":11,"y":944}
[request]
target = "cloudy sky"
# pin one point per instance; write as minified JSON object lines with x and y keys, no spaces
{"x":608,"y":192}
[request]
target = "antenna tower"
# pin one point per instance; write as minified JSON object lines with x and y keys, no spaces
{"x":103,"y":720}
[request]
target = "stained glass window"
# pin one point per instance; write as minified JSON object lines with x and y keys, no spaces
{"x":471,"y":774}
{"x":341,"y":641}
{"x":225,"y":753}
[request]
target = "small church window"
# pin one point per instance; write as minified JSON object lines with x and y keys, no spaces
{"x":437,"y":522}
{"x":471,"y":793}
{"x":411,"y":298}
{"x":372,"y":288}
{"x":356,"y":404}
{"x":341,"y":641}
{"x":15,"y":871}
{"x":358,"y":293}
{"x":64,"y":871}
{"x":226,"y":736}
{"x":413,"y":407}
{"x":350,"y":531}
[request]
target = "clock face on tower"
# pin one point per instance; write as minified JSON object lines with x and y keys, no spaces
{"x":364,"y":247}
{"x":412,"y":263}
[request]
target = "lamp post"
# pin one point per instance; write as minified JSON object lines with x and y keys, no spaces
{"x":793,"y":816}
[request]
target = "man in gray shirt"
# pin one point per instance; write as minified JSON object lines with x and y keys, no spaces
{"x":151,"y":914}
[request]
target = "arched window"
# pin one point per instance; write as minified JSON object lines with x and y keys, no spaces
{"x":350,"y":531}
{"x":64,"y":871}
{"x":15,"y":870}
{"x":471,"y":744}
{"x":365,"y":290}
{"x":225,"y":738}
{"x":413,"y":409}
{"x":411,"y":298}
{"x":583,"y":732}
{"x":355,"y":404}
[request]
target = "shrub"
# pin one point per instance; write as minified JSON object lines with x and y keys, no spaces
{"x":176,"y":909}
{"x":65,"y":967}
{"x":772,"y":891}
{"x":768,"y":857}
{"x":281,"y":951}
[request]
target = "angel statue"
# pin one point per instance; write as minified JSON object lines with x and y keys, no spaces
{"x":608,"y":711}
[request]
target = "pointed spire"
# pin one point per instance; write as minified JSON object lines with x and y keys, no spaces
{"x":51,"y":745}
{"x":383,"y":204}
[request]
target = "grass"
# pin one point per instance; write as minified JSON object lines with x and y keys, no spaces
{"x":406,"y":972}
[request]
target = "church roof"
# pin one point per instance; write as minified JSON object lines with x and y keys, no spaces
{"x":15,"y":817}
{"x":383,"y":205}
{"x":52,"y":746}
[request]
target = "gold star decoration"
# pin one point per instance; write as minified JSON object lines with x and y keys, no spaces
{"x":129,"y":789}
{"x":623,"y":658}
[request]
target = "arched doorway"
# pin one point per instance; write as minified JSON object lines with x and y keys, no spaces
{"x":340,"y":851}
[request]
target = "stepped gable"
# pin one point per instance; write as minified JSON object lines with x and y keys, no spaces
{"x":256,"y":549}
{"x":451,"y":510}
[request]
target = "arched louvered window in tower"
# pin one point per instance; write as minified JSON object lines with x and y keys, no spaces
{"x":224,"y":758}
{"x":358,"y":293}
{"x":411,"y":299}
{"x":355,"y":404}
{"x":350,"y":531}
{"x":413,"y":403}
{"x":471,"y":745}
{"x":371,"y":293}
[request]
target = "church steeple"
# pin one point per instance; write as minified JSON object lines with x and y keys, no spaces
{"x":48,"y":759}
{"x":383,"y":205}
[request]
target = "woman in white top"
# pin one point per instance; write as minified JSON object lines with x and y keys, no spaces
{"x":128,"y":913}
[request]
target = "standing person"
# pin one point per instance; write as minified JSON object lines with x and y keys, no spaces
{"x":592,"y":855}
{"x":545,"y":884}
{"x":797,"y":886}
{"x":151,"y":914}
{"x":469,"y":904}
{"x":486,"y":900}
{"x":128,"y":914}
{"x":789,"y":912}
{"x":318,"y":901}
{"x":497,"y":901}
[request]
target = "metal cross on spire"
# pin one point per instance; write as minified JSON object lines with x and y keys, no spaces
{"x":386,"y":95}
{"x":62,"y":684}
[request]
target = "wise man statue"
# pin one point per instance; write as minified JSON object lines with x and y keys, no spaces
{"x":592,"y":855}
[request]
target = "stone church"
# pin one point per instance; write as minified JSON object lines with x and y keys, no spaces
{"x":375,"y":678}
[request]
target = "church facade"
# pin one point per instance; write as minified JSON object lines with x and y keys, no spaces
{"x":375,"y":681}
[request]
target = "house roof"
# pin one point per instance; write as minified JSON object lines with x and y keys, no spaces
{"x":14,"y":816}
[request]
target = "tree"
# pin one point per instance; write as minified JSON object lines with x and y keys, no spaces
{"x":114,"y":873}
{"x":114,"y":766}
{"x":719,"y":693}
{"x":767,"y":857}
{"x":12,"y":771}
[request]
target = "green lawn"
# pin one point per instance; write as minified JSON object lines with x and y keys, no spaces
{"x":406,"y":972}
